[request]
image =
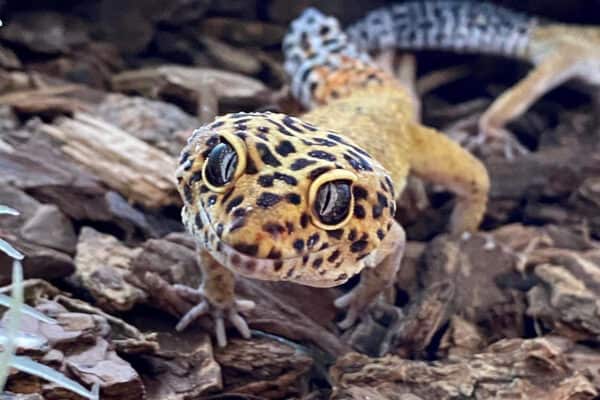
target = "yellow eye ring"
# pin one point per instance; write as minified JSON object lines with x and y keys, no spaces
{"x":333,"y":175}
{"x":239,"y":147}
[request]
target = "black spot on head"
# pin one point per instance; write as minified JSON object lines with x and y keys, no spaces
{"x":278,"y":265}
{"x":196,"y":177}
{"x":227,"y":195}
{"x":377,"y":210}
{"x":184,"y":157}
{"x":249,"y":249}
{"x":312,"y":240}
{"x":381,"y":199}
{"x":263,"y":129}
{"x":358,"y":163}
{"x":380,"y":234}
{"x":360,"y":193}
{"x":304,"y":218}
{"x":291,"y":123}
{"x":317,"y":262}
{"x":290,"y":180}
{"x":241,"y":135}
{"x":237,"y":223}
{"x":284,"y":148}
{"x":336,"y":138}
{"x":294,"y":198}
{"x":266,"y":156}
{"x":336,"y":233}
{"x":358,"y":246}
{"x":324,"y":142}
{"x":265,"y":180}
{"x":359,"y":211}
{"x":322,"y":155}
{"x":267,"y":199}
{"x":273,"y":228}
{"x":298,"y":245}
{"x":301,"y":163}
{"x":239,"y":212}
{"x":304,"y":259}
{"x":219,"y":230}
{"x":250,"y":166}
{"x":216,"y":124}
{"x":274,"y":254}
{"x":198,"y":221}
{"x":333,"y":256}
{"x":289,"y":226}
{"x":204,"y":189}
{"x":236,"y":201}
{"x":352,"y":234}
{"x":212,"y":199}
{"x":315,"y":173}
{"x":187,"y":194}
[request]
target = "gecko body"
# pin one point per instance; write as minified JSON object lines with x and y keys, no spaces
{"x":311,"y":200}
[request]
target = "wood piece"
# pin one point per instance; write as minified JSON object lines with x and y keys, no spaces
{"x":140,"y":172}
{"x":515,"y":368}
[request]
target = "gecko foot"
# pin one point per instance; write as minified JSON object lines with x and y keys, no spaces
{"x":218,"y":313}
{"x":356,"y":301}
{"x":493,"y":137}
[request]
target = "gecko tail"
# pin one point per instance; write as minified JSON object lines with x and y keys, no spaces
{"x":315,"y":40}
{"x":455,"y":25}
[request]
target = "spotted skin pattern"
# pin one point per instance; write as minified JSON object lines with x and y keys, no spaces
{"x":263,"y":224}
{"x":559,"y":52}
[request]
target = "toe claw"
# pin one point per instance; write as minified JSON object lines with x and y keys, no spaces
{"x":194,"y":313}
{"x":217,"y":313}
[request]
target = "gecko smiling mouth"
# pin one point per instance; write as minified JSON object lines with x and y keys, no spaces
{"x":293,"y":269}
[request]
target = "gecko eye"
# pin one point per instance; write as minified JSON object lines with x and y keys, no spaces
{"x":332,"y":203}
{"x":220,"y":164}
{"x":331,"y":200}
{"x":224,"y":163}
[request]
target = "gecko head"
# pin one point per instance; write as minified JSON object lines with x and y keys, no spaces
{"x":275,"y":198}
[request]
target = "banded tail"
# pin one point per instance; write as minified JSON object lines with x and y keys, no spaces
{"x":463,"y":26}
{"x":314,"y":47}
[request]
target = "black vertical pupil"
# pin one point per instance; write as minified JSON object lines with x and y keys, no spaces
{"x":221,"y":164}
{"x":332,"y":203}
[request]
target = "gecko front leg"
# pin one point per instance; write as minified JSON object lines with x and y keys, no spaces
{"x":216,"y":296}
{"x":376,"y":279}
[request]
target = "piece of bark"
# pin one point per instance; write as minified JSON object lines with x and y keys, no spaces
{"x":565,"y":300}
{"x":460,"y":339}
{"x":78,"y":346}
{"x":154,"y":122}
{"x":514,"y":368}
{"x":231,"y":58}
{"x":185,"y":368}
{"x":187,"y":86}
{"x":487,"y":285}
{"x":263,"y":367}
{"x":135,"y":169}
{"x":8,"y":59}
{"x":45,"y":101}
{"x":41,"y":232}
{"x":102,"y":267}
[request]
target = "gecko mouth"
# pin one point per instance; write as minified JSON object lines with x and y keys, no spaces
{"x":295,"y":269}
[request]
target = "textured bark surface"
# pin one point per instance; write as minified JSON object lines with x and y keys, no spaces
{"x":98,"y":98}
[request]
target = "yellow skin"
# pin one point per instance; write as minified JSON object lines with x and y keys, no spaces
{"x":559,"y":53}
{"x":264,"y":224}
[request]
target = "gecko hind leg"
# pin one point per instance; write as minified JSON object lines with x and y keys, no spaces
{"x":215,"y":297}
{"x":550,"y":73}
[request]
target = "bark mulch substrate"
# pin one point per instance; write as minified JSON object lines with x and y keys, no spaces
{"x":96,"y":100}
